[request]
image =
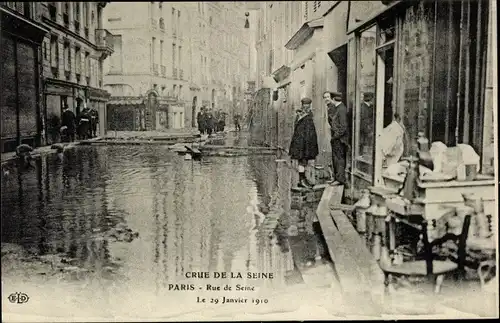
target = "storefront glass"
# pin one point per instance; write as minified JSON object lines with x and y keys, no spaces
{"x":365,"y":112}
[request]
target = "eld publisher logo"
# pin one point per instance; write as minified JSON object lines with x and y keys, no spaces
{"x":19,"y":298}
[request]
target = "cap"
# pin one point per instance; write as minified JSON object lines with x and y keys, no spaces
{"x":306,"y":101}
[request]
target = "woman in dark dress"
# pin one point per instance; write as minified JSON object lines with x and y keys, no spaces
{"x":304,"y":145}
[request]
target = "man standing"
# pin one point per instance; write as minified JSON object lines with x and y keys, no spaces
{"x":237,"y":125}
{"x":337,"y":118}
{"x":304,"y":144}
{"x":366,"y":129}
{"x":68,"y":125}
{"x":200,"y":117}
{"x":94,"y":120}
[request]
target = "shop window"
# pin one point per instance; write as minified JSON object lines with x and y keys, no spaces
{"x":365,"y":112}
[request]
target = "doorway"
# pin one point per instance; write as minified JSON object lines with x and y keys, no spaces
{"x":384,"y":101}
{"x":193,"y":112}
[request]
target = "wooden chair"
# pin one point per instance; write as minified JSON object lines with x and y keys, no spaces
{"x":431,"y":266}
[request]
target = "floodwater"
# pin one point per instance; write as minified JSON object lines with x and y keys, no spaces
{"x":118,"y":231}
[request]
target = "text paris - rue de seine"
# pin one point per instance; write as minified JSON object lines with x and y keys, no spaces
{"x":218,"y":275}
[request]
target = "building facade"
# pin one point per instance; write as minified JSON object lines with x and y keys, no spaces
{"x":172,"y":58}
{"x":22,"y":34}
{"x":411,"y":57}
{"x":72,"y":60}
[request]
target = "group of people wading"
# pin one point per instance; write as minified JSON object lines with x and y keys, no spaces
{"x":84,"y":125}
{"x":211,"y":122}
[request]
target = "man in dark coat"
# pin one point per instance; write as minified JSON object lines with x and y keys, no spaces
{"x":304,"y":144}
{"x":222,"y":120}
{"x":337,"y":118}
{"x":237,"y":118}
{"x":84,"y":124}
{"x":200,"y":117}
{"x":210,"y":122}
{"x":94,"y":120}
{"x":366,"y":129}
{"x":68,"y":125}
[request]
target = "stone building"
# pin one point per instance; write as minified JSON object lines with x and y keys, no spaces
{"x":394,"y":50}
{"x":72,"y":58}
{"x":172,"y":58}
{"x":21,"y":91}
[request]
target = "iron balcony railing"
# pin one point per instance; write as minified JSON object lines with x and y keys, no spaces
{"x":155,"y":69}
{"x":103,"y":40}
{"x":163,"y":70}
{"x":174,"y":73}
{"x":181,"y":74}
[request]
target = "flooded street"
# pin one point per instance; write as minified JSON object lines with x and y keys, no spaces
{"x":116,"y":231}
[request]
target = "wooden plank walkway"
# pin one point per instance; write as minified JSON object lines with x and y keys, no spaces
{"x":360,"y":277}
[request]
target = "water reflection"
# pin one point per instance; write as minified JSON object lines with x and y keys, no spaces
{"x":221,"y":214}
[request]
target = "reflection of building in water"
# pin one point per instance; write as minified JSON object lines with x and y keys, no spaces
{"x":61,"y":217}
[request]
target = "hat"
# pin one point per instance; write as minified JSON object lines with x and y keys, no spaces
{"x":337,"y":95}
{"x":367,"y":96}
{"x":306,"y":101}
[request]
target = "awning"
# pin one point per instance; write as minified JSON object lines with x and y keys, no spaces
{"x":304,"y":33}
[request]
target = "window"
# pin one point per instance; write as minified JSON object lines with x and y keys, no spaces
{"x":52,"y":11}
{"x":78,"y":60}
{"x":27,"y":9}
{"x":54,"y":52}
{"x":45,"y":57}
{"x":153,"y":50}
{"x":365,"y":114}
{"x":174,"y":70}
{"x":180,"y":91}
{"x":116,"y":60}
{"x":67,"y":57}
{"x":161,"y":52}
{"x":87,"y":64}
{"x":160,"y":5}
{"x":180,"y":57}
{"x":174,"y":90}
{"x":173,"y":22}
{"x":86,"y":14}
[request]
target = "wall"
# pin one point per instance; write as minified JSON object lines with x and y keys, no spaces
{"x":491,"y":95}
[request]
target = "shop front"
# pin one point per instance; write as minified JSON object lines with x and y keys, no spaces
{"x":414,"y":63}
{"x":418,"y":78}
{"x":20,"y":81}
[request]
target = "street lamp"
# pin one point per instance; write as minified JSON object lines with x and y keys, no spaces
{"x":247,"y":23}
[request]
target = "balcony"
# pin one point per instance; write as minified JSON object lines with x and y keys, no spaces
{"x":155,"y":69}
{"x":103,"y":42}
{"x":181,"y":74}
{"x":174,"y":73}
{"x":88,"y":80}
{"x":162,"y":25}
{"x":86,"y":31}
{"x":67,"y":74}
{"x":163,"y":71}
{"x":77,"y":26}
{"x":154,"y":24}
